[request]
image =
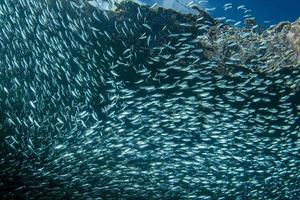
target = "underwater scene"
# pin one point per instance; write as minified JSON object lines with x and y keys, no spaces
{"x":169,"y":99}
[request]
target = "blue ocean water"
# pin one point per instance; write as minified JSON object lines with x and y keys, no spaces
{"x":263,"y":10}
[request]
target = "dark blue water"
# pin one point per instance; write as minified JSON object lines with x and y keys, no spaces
{"x":263,"y":10}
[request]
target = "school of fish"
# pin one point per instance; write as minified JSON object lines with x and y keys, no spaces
{"x":144,"y":103}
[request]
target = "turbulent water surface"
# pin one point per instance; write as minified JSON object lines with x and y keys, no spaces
{"x":144,"y":103}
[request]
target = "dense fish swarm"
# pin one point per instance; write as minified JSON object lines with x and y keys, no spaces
{"x":144,"y":103}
